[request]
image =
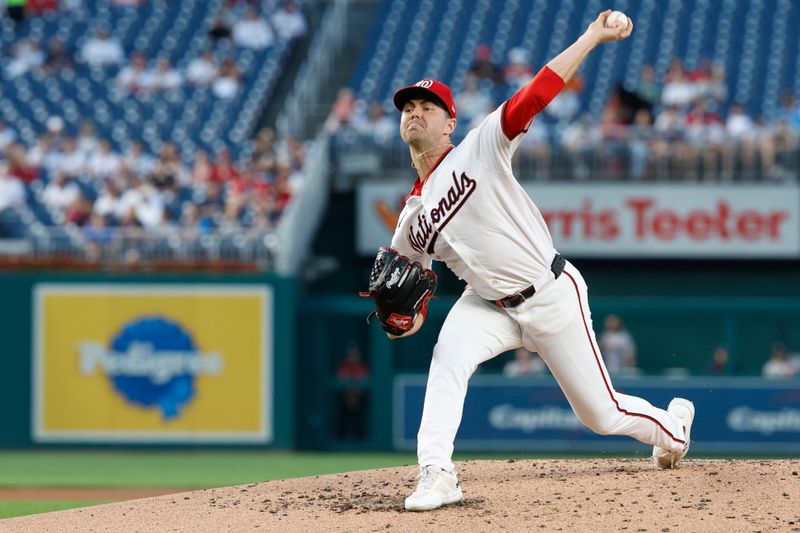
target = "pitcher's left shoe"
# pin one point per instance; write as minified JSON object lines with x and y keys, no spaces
{"x":435,"y":487}
{"x":684,"y":411}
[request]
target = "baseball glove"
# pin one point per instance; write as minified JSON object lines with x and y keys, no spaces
{"x":401,"y":290}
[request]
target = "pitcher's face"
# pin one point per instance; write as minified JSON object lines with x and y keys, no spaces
{"x":423,"y":123}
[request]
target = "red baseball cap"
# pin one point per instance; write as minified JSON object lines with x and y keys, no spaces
{"x":430,"y":90}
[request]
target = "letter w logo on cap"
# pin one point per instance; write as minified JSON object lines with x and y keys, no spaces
{"x":425,"y":84}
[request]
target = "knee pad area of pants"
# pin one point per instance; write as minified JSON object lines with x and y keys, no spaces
{"x":601,"y":421}
{"x":457,"y":357}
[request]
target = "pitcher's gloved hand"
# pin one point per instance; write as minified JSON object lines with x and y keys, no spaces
{"x":401,"y":290}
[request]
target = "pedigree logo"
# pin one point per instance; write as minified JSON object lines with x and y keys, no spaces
{"x":152,"y":362}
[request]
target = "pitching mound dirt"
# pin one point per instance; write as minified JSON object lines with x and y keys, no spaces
{"x":541,"y":495}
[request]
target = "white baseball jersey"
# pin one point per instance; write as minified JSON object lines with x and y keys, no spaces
{"x":473,"y":215}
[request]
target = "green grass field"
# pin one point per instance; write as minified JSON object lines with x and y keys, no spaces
{"x":12,"y":508}
{"x":178,"y":469}
{"x":186,"y":469}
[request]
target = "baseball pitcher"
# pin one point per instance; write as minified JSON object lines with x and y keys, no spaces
{"x":467,"y":209}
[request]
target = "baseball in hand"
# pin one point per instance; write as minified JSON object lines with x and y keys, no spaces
{"x":617,"y":18}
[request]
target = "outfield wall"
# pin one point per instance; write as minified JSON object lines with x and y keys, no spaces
{"x":241,"y":362}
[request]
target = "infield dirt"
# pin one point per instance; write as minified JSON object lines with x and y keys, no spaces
{"x":538,"y":495}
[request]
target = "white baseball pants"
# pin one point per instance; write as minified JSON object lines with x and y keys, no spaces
{"x":556,"y":323}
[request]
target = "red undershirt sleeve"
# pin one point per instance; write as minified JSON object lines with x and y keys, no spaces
{"x":520,"y":109}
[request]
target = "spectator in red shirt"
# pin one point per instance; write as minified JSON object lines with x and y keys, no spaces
{"x":79,"y":212}
{"x":224,"y":170}
{"x":352,"y":407}
{"x":36,"y":7}
{"x":705,"y":132}
{"x":240,"y":194}
{"x":281,"y":187}
{"x":18,"y":165}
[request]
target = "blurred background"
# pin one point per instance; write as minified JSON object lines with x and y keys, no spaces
{"x":192,"y":193}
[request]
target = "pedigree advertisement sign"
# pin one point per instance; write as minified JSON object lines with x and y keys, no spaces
{"x":634,"y":220}
{"x":139,"y":363}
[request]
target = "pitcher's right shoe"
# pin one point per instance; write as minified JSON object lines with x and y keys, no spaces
{"x":684,"y":411}
{"x":435,"y":487}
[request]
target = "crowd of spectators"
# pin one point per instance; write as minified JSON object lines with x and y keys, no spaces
{"x":681,"y":126}
{"x":223,"y":77}
{"x":688,"y":126}
{"x":780,"y":363}
{"x":238,"y":24}
{"x":618,"y":349}
{"x":82,"y":179}
{"x":242,"y":24}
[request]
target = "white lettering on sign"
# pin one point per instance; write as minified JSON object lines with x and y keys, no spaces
{"x":765,"y":422}
{"x":142,"y":360}
{"x":507,"y":416}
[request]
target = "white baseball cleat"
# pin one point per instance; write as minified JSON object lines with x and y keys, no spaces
{"x":684,"y":411}
{"x":435,"y":487}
